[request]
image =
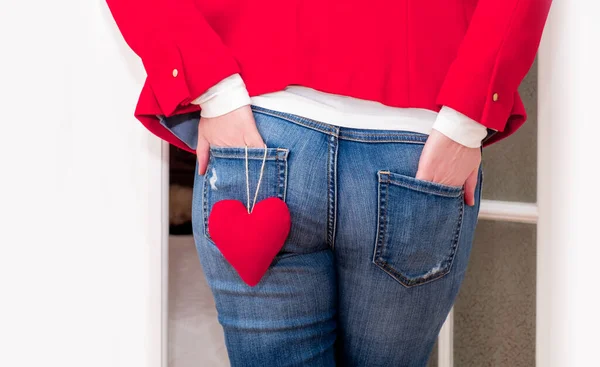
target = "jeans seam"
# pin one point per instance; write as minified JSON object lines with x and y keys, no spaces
{"x":456,"y":241}
{"x":335,"y":187}
{"x":278,"y":177}
{"x":331,"y":190}
{"x":328,"y":198}
{"x":381,"y":219}
{"x":205,"y":199}
{"x":282,"y":177}
{"x":234,"y":156}
{"x":398,"y":134}
{"x":384,"y":138}
{"x":385,"y":216}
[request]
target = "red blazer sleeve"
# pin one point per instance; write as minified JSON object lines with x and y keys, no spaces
{"x":495,"y":55}
{"x":183,"y":56}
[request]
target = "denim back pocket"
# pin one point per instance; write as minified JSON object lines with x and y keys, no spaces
{"x":225,"y":177}
{"x":418,"y":228}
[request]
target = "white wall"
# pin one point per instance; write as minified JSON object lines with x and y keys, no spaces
{"x":568,"y":301}
{"x":80,"y":193}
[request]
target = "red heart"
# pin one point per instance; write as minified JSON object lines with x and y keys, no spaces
{"x":249,"y":241}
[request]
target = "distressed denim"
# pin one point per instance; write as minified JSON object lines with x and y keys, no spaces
{"x":374,"y":259}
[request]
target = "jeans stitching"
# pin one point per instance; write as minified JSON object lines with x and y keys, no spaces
{"x":285,"y":177}
{"x":205,"y":198}
{"x":334,"y":192}
{"x":410,"y":136}
{"x":457,"y":234}
{"x":379,"y":221}
{"x":273,"y":155}
{"x":281,"y":176}
{"x":425,"y":190}
{"x":386,"y":219}
{"x":382,"y":220}
{"x":328,"y":198}
{"x":331,"y":190}
{"x":399,"y":139}
{"x":278,"y":176}
{"x":235,"y":156}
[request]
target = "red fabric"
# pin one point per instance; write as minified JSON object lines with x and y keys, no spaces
{"x":249,"y":242}
{"x":402,"y":53}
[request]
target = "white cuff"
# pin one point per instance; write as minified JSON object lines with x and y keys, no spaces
{"x":225,"y":96}
{"x":460,"y":128}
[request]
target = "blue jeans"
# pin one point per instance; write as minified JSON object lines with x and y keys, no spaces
{"x":374,"y":260}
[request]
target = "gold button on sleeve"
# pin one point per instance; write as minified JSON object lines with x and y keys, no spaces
{"x":175,"y":73}
{"x":495,"y":97}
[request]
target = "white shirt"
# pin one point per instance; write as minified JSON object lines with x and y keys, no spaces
{"x":342,"y":111}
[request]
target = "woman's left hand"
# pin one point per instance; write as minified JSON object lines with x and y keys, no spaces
{"x":447,"y":162}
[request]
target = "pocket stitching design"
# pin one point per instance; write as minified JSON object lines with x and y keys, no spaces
{"x":282,"y":173}
{"x":257,"y":153}
{"x":421,"y":185}
{"x":382,"y":240}
{"x":205,"y":198}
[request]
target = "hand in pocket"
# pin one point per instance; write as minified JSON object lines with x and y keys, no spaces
{"x":234,"y":129}
{"x":447,"y":162}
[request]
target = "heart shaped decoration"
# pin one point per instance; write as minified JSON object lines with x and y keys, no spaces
{"x":249,"y":242}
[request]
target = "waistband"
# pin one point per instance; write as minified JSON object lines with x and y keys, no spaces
{"x":346,"y":133}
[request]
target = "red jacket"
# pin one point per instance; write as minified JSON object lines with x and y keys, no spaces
{"x":470,"y":55}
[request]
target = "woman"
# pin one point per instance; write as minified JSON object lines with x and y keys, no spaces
{"x":374,"y":115}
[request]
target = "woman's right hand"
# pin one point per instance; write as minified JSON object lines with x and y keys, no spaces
{"x":234,"y":129}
